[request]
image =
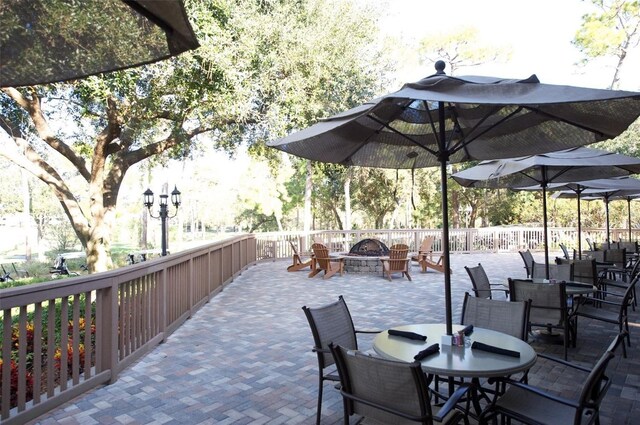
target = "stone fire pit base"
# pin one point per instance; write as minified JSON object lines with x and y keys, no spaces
{"x":354,"y":264}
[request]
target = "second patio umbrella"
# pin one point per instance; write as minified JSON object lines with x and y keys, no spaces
{"x":540,"y":171}
{"x":442,"y":119}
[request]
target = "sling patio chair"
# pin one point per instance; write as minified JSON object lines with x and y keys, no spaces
{"x":424,"y":257}
{"x":482,"y":288}
{"x":383,"y":391}
{"x":531,"y":405}
{"x":607,"y":310}
{"x":508,"y":317}
{"x":298,"y":264}
{"x":549,"y":307}
{"x":330,"y":323}
{"x":559,"y":272}
{"x":565,"y":252}
{"x":397,"y":262}
{"x":527,"y":257}
{"x":324,"y":262}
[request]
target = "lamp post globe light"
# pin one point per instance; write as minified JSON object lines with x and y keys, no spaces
{"x":163,"y":214}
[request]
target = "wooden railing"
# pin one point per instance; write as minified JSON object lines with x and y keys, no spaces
{"x":65,"y":337}
{"x":62,"y":338}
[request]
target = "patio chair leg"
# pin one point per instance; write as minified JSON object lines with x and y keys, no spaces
{"x":319,"y":412}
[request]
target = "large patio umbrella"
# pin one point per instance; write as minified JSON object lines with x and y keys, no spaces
{"x":442,"y":119}
{"x":536,"y":172}
{"x":45,"y":41}
{"x":605,"y":189}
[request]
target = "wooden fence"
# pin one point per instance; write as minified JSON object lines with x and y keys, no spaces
{"x":65,"y":337}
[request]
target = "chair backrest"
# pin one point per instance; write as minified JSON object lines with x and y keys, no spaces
{"x":596,"y":255}
{"x":564,"y":251}
{"x":427,"y":244}
{"x":584,"y":271}
{"x":548,"y":300}
{"x":559,"y":272}
{"x":479,"y":280}
{"x":398,"y":256}
{"x":527,"y":257}
{"x":510,"y":317}
{"x":381,"y":390}
{"x":629,"y":246}
{"x":616,"y":256}
{"x":591,"y":245}
{"x":321,"y":253}
{"x":597,"y":383}
{"x":331,"y":323}
{"x":294,"y":248}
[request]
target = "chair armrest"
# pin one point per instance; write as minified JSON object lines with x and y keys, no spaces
{"x":503,"y":289}
{"x":451,"y":403}
{"x":599,"y":301}
{"x":539,"y":392}
{"x":320,"y":350}
{"x":564,"y":362}
{"x":368,"y":331}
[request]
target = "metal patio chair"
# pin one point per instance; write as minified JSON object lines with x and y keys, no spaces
{"x":330,"y":323}
{"x":532,"y":405}
{"x":481,"y":286}
{"x":390,"y":392}
{"x":549,"y":308}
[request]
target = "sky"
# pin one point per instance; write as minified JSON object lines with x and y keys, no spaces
{"x":539,"y":32}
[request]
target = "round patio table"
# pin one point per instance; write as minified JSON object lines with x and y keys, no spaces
{"x":458,"y":361}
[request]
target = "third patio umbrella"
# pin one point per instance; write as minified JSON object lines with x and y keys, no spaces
{"x":442,"y":119}
{"x":540,"y":171}
{"x":605,"y":189}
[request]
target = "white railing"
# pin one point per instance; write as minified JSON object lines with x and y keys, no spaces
{"x":275,"y":245}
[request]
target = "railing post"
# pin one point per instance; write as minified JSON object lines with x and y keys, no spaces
{"x":162,"y":303}
{"x":190,"y":288}
{"x":107,"y":317}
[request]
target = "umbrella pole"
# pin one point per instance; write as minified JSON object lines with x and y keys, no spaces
{"x":444,"y":157}
{"x":606,"y":207}
{"x":544,"y":228}
{"x":578,"y":192}
{"x":629,"y":215}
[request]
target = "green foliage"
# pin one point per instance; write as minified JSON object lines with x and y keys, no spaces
{"x":610,"y":30}
{"x":460,"y":48}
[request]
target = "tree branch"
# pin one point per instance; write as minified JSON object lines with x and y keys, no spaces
{"x":33,"y":108}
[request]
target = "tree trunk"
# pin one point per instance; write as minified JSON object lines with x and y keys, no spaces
{"x":347,"y":200}
{"x":308,"y":188}
{"x":26,"y":214}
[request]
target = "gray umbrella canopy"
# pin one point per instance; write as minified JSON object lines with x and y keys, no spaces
{"x":605,"y":189}
{"x":537,"y":172}
{"x":47,"y":41}
{"x":442,"y":119}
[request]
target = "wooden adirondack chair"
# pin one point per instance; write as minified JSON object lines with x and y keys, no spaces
{"x":324,"y":262}
{"x":397,"y":262}
{"x":298,"y":264}
{"x":425,"y":256}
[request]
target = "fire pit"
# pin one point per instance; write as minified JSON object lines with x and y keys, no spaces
{"x":369,"y":248}
{"x":364,"y":257}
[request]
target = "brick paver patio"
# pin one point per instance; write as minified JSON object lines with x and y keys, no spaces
{"x":245,"y":357}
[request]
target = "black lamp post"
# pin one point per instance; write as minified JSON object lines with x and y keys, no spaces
{"x":164,"y":211}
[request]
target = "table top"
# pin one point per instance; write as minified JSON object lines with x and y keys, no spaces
{"x":457,"y":361}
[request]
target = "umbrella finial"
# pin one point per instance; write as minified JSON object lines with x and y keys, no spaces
{"x":440,"y":65}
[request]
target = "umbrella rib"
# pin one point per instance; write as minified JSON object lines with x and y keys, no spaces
{"x":566,"y":121}
{"x":464,"y":144}
{"x":399,"y":133}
